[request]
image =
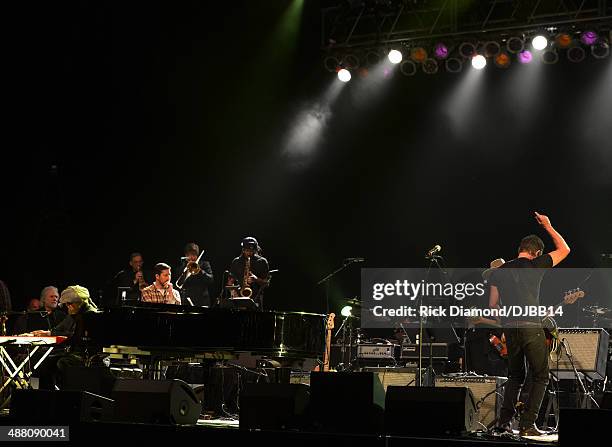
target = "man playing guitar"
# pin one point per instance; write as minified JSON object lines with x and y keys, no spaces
{"x":517,"y":283}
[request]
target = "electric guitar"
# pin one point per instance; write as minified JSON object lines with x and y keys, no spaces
{"x":548,"y":323}
{"x":328,"y":327}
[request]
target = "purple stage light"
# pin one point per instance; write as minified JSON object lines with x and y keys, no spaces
{"x":588,"y":37}
{"x":525,"y":57}
{"x":441,"y":51}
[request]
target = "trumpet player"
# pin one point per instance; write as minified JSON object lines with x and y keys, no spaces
{"x":195,"y":276}
{"x":134,"y":277}
{"x":250,"y":271}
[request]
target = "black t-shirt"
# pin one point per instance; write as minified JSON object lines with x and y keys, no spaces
{"x":518,"y":282}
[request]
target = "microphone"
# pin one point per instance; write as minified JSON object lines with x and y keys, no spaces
{"x":347,"y":260}
{"x":183,"y":258}
{"x":433,"y":251}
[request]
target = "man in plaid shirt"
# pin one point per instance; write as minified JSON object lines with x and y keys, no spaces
{"x":161,"y":291}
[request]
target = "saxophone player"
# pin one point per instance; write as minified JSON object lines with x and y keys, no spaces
{"x":250,"y":271}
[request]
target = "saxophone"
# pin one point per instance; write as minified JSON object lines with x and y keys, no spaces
{"x":245,"y":290}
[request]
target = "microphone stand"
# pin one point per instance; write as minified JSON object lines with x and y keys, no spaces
{"x":428,"y":379}
{"x":326,"y":281}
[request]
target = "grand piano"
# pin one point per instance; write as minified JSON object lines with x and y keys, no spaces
{"x":176,"y":329}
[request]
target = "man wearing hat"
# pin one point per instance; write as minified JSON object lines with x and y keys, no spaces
{"x":257,"y":276}
{"x":78,"y":302}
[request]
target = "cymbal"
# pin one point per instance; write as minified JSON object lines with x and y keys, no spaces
{"x":354,"y":301}
{"x":596,"y":310}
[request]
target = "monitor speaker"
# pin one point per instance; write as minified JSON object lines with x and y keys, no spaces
{"x":155,"y":402}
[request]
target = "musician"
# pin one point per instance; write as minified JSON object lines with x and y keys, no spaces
{"x":45,"y":320}
{"x":517,"y":282}
{"x":481,"y":356}
{"x":134,"y":277}
{"x":79,"y":304}
{"x":257,"y":277}
{"x":195,"y":287}
{"x":161,"y":291}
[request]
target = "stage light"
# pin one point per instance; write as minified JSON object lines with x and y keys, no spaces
{"x":515,"y":45}
{"x":525,"y":57}
{"x":346,"y":311}
{"x":550,"y":56}
{"x":467,"y":50}
{"x":440,"y":51}
{"x":539,"y":42}
{"x":430,"y":66}
{"x":395,"y":56}
{"x":502,"y":60}
{"x":588,"y":37}
{"x":576,"y":54}
{"x":372,"y":57}
{"x":479,"y":62}
{"x":408,"y":68}
{"x":491,"y":49}
{"x":418,"y":54}
{"x":453,"y":65}
{"x":600,"y":49}
{"x":563,"y":40}
{"x":331,"y":63}
{"x":344,"y":75}
{"x":350,"y":62}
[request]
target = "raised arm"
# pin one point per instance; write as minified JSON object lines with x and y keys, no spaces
{"x":561,"y":248}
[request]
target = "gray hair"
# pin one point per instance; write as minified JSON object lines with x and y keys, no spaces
{"x":44,"y":291}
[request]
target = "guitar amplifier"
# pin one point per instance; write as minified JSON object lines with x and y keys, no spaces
{"x":588,"y":349}
{"x":439,"y":351}
{"x":488,"y":394}
{"x":375,"y":351}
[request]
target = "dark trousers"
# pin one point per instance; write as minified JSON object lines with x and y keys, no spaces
{"x":525,"y":344}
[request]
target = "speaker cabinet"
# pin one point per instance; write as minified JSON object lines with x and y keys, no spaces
{"x":59,"y":407}
{"x":274,"y":406}
{"x":347,"y":402}
{"x":155,"y":402}
{"x":429,"y":411}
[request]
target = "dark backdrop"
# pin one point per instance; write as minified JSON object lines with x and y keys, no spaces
{"x":141,"y":126}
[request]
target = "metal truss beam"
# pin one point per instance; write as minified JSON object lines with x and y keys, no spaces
{"x":363,"y":23}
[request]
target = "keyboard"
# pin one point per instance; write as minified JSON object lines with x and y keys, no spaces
{"x":25,"y":340}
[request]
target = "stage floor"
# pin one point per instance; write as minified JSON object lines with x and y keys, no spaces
{"x":226,"y":431}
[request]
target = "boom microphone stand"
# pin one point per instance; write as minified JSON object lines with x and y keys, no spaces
{"x":326,"y":280}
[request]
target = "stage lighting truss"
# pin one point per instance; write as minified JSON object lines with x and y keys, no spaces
{"x":544,"y":44}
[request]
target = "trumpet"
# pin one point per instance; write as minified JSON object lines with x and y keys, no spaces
{"x":192,"y":268}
